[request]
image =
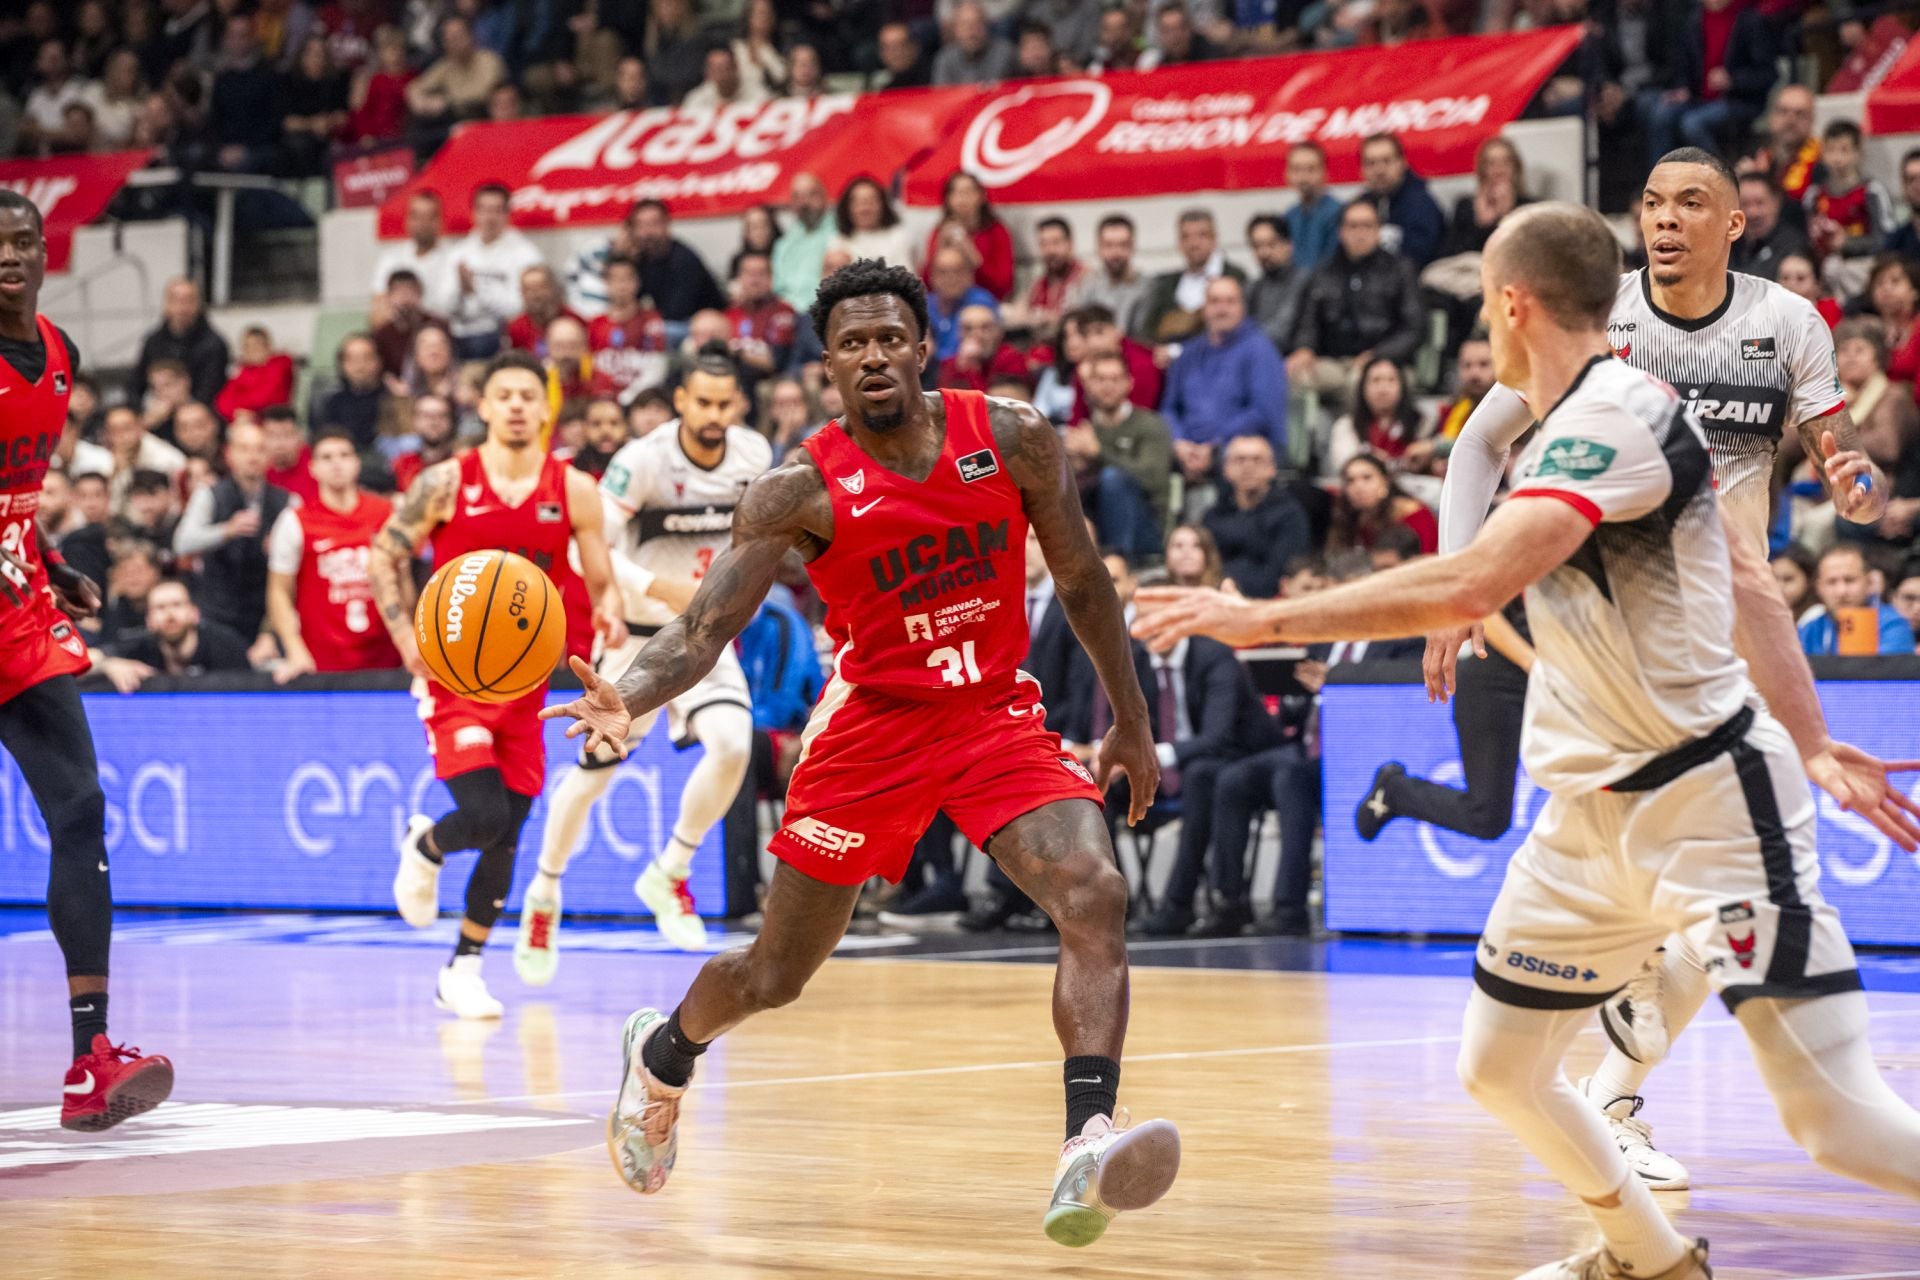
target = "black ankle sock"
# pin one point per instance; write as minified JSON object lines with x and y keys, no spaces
{"x":468,"y":947}
{"x":1092,"y":1086}
{"x":89,"y":1020}
{"x":670,"y":1054}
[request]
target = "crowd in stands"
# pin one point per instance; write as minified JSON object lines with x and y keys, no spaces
{"x":1271,"y":415}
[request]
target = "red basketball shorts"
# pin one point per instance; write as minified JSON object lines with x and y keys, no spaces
{"x":463,"y":736}
{"x":876,"y":768}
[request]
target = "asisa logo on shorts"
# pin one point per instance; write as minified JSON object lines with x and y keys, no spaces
{"x":835,"y":841}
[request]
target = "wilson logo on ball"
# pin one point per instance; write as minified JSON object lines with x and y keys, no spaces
{"x":491,"y":627}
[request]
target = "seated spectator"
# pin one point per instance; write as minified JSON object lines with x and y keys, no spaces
{"x":1385,"y":421}
{"x":953,"y":292}
{"x":1767,"y":238}
{"x":454,"y":87}
{"x":1370,"y":502}
{"x":972,"y":54}
{"x":44,"y":126}
{"x":148,"y":512}
{"x":806,"y":74}
{"x":1273,"y":297}
{"x":1060,"y":274}
{"x":504,"y":104}
{"x":1412,"y":225}
{"x":1033,"y":53}
{"x":1906,"y":597}
{"x":678,"y":46}
{"x":628,"y":341}
{"x":723,"y":86}
{"x":628,"y":90}
{"x":184,"y":335}
{"x":135,"y":569}
{"x":1116,"y":285}
{"x":1314,"y":222}
{"x":984,"y":354}
{"x":1905,"y":239}
{"x":265,"y":376}
{"x":1499,"y":187}
{"x":359,"y":403}
{"x":57,"y":515}
{"x":969,"y":224}
{"x":1258,"y":526}
{"x":545,"y":301}
{"x":196,"y":434}
{"x":756,"y":47}
{"x":1228,"y":382}
{"x":316,"y":110}
{"x":800,"y":250}
{"x":903,"y":64}
{"x":168,"y":390}
{"x":178,"y":642}
{"x":1848,"y":212}
{"x":1472,"y":379}
{"x":1193,"y":557}
{"x":1889,"y":429}
{"x":759,"y":233}
{"x":866,"y":226}
{"x":1012,"y":386}
{"x":319,"y":597}
{"x":75,"y":454}
{"x":487,"y":267}
{"x":1789,"y":151}
{"x":1893,"y":295}
{"x":671,"y":273}
{"x":427,"y":254}
{"x":1850,"y":590}
{"x":1800,"y":275}
{"x":763,"y":325}
{"x":1704,"y":101}
{"x":790,"y":417}
{"x":605,"y":432}
{"x":406,"y":316}
{"x":1396,"y":22}
{"x":247,"y":103}
{"x":571,"y":376}
{"x":117,"y":105}
{"x":377,"y":98}
{"x":225,"y":527}
{"x":1396,"y":545}
{"x":1794,"y":570}
{"x":1170,"y":311}
{"x":1179,"y":44}
{"x":134,"y":448}
{"x":431,"y":434}
{"x":289,"y":460}
{"x":1091,"y":330}
{"x":649,"y":411}
{"x":1117,"y":42}
{"x":1363,"y":303}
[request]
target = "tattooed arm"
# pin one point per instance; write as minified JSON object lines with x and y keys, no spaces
{"x":1833,"y":444}
{"x":426,"y":506}
{"x":1038,"y":464}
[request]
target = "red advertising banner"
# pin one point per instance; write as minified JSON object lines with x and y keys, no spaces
{"x":1223,"y":126}
{"x":367,"y":180}
{"x":1893,"y":105}
{"x":573,"y":170}
{"x":70,"y":192}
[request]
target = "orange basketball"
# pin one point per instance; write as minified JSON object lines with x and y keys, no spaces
{"x":491,"y":626}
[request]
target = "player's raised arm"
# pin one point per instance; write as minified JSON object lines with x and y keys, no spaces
{"x":428,"y":503}
{"x":596,"y":565}
{"x":1038,"y":465}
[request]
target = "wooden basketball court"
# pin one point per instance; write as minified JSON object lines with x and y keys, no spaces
{"x":902,"y":1120}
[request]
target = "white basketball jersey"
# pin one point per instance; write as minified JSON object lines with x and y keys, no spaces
{"x":679,"y":514}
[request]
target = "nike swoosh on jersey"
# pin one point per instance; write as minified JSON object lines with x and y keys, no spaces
{"x":474,"y":512}
{"x":860,"y":511}
{"x":77,"y":1090}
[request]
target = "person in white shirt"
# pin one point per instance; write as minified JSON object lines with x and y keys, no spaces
{"x":427,"y":253}
{"x":57,"y":88}
{"x":724,"y":85}
{"x":117,"y":101}
{"x":487,"y":266}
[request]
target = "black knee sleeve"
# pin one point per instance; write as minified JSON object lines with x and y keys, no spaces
{"x":492,"y":877}
{"x":481,"y":815}
{"x":79,"y":896}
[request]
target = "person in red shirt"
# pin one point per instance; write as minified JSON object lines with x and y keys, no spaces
{"x":763,"y":326}
{"x":379,"y":93}
{"x":1370,"y":502}
{"x":628,"y":342}
{"x":969,"y":223}
{"x":1060,"y":271}
{"x":546,"y":301}
{"x":319,"y":598}
{"x":984,"y":356}
{"x":1094,"y":331}
{"x":265,"y":377}
{"x":288,"y":458}
{"x":1848,"y":212}
{"x":571,"y":374}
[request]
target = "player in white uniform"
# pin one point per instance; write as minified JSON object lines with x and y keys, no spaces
{"x":1678,"y":803}
{"x":669,"y":500}
{"x":1752,"y":359}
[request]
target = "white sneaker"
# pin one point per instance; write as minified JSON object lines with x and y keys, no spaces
{"x":463,"y":992}
{"x":1634,"y":1019}
{"x":672,"y":906}
{"x":1597,"y":1264}
{"x":536,"y":951}
{"x":1660,"y":1171}
{"x":643,"y":1127}
{"x":1107,"y":1169}
{"x":416,"y":885}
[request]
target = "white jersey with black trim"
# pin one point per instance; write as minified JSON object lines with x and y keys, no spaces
{"x":1635,"y":629}
{"x":679,"y":515}
{"x":1759,"y":364}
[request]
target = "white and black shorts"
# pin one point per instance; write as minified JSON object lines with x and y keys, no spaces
{"x":1714,"y":842}
{"x":725,"y":685}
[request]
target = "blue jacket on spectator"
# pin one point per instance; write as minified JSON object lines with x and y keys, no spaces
{"x":1315,"y":230}
{"x":946,"y":324}
{"x":1216,"y":391}
{"x":782,"y":667}
{"x":1821,"y":635}
{"x":1423,"y":228}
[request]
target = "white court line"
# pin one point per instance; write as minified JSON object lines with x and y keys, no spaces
{"x":1183,"y":1055}
{"x":1872,"y":1275}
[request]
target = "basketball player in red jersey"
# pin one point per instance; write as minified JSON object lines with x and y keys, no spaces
{"x":509,"y":494}
{"x":319,"y":596}
{"x":912,"y":512}
{"x":42,"y":723}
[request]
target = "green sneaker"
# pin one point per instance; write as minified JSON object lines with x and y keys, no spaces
{"x":536,"y":952}
{"x":1107,"y":1169}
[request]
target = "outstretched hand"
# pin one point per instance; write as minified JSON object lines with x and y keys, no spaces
{"x":1860,"y":783}
{"x":1442,"y":661}
{"x":598,"y":711}
{"x":1167,"y":615}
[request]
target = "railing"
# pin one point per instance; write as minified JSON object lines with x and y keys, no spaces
{"x":218,"y":252}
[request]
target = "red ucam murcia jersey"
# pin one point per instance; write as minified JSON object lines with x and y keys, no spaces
{"x":925,"y":584}
{"x":632,"y":353}
{"x":326,"y":552}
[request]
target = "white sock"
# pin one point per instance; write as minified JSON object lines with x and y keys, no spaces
{"x":545,"y":884}
{"x":1637,"y":1233}
{"x":676,"y":860}
{"x":1617,"y":1076}
{"x":726,"y":738}
{"x":567,"y":814}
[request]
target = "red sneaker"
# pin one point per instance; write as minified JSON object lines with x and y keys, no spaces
{"x":111,"y":1084}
